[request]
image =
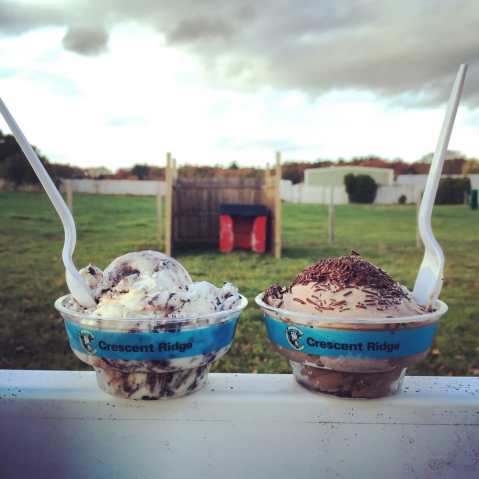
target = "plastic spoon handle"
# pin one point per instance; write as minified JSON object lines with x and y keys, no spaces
{"x":66,"y":217}
{"x":430,"y":275}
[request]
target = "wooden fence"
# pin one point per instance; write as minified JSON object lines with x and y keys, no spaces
{"x":192,"y":206}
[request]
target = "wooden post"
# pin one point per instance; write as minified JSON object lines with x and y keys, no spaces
{"x":268,"y":188}
{"x":277,"y":208}
{"x":175,"y":171}
{"x":69,"y":193}
{"x":332,"y":217}
{"x":267,"y":176}
{"x":418,"y":236}
{"x":168,"y":203}
{"x":159,"y":218}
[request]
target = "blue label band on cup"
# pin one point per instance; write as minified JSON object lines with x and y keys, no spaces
{"x":365,"y":344}
{"x":144,"y":346}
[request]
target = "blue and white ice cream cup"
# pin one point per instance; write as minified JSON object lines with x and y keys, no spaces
{"x":150,"y":357}
{"x":348,"y":356}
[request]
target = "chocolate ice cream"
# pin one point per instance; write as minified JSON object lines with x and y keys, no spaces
{"x":348,"y":328}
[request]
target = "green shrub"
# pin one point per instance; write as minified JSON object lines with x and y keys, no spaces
{"x":350,"y":184}
{"x":360,"y":188}
{"x":452,"y":191}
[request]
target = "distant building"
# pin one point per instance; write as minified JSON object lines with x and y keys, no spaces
{"x":334,"y":175}
{"x":98,"y":171}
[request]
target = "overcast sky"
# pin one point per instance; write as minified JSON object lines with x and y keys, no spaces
{"x":96,"y":82}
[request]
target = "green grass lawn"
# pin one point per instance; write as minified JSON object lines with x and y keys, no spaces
{"x":32,"y":275}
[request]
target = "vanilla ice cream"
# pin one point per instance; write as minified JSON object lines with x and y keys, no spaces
{"x":147,"y":283}
{"x":154,"y":333}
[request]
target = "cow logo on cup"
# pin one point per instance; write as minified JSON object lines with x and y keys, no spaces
{"x":87,"y":338}
{"x":293,"y":335}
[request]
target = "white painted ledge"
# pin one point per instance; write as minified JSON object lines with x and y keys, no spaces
{"x":58,"y":424}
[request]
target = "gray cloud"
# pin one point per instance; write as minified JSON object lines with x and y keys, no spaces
{"x":21,"y":17}
{"x":405,"y":51}
{"x":86,"y":40}
{"x":194,"y":29}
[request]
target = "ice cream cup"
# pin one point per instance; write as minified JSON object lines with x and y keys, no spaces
{"x":150,"y":357}
{"x":347,"y":356}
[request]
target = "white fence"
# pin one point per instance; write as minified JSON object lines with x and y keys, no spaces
{"x":302,"y":193}
{"x":410,"y":186}
{"x":299,"y":193}
{"x":386,"y":195}
{"x":420,"y":180}
{"x":119,"y":187}
{"x":334,"y":175}
{"x":99,"y":187}
{"x":390,"y":195}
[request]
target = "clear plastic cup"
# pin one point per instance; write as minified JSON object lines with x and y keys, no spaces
{"x":350,"y":357}
{"x":150,"y":357}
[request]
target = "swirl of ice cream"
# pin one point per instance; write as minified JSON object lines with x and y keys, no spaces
{"x":152,"y":283}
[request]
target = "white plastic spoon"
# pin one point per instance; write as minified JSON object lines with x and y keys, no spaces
{"x":430,"y":275}
{"x":76,"y":284}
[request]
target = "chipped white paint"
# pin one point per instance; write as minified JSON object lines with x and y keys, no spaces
{"x":59,"y":424}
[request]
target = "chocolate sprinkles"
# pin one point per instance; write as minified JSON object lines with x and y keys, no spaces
{"x":299,"y":300}
{"x":344,"y":272}
{"x":353,"y":272}
{"x":275,"y":291}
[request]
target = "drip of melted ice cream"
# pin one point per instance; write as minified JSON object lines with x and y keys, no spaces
{"x":346,"y":286}
{"x":152,"y":283}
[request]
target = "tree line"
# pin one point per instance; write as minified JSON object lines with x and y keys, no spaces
{"x":15,"y":168}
